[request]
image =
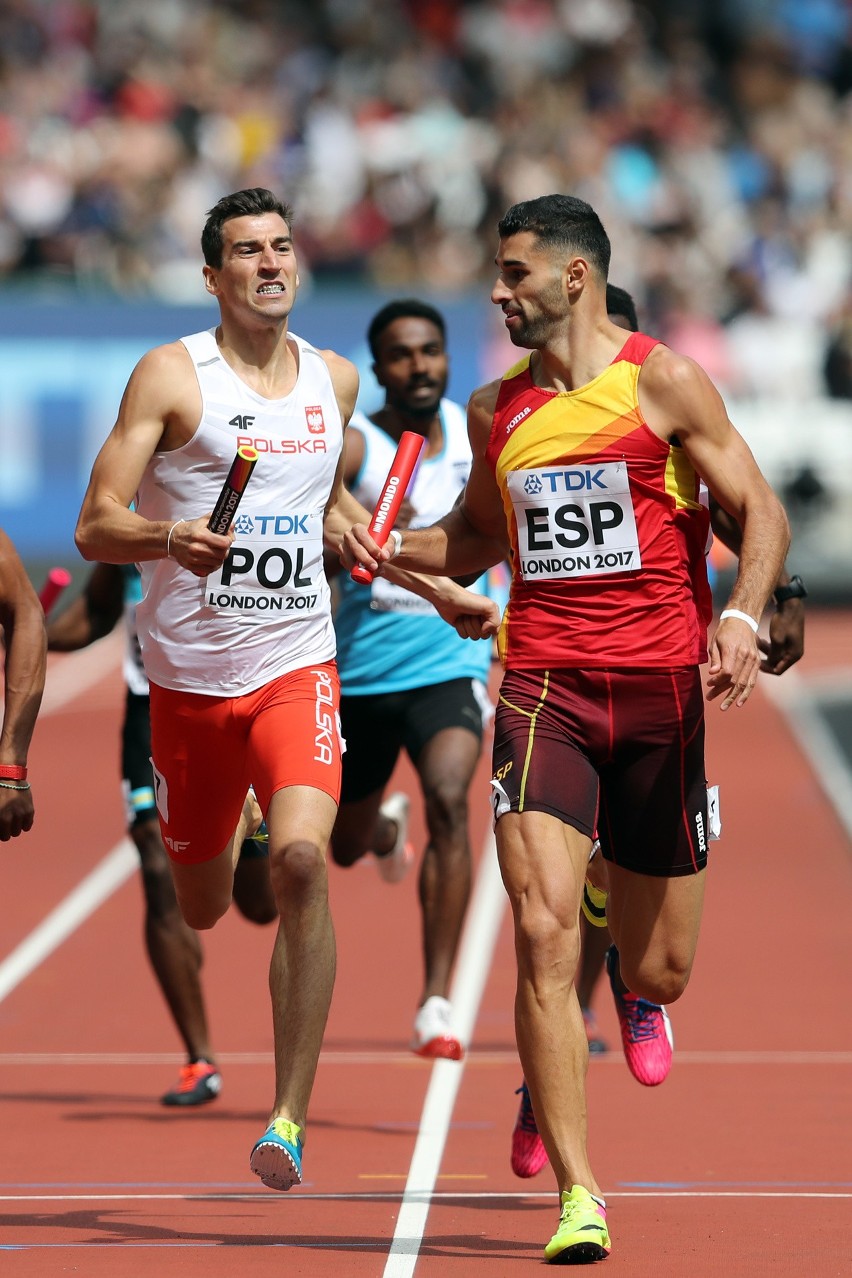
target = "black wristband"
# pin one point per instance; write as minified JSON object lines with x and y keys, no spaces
{"x":795,"y":589}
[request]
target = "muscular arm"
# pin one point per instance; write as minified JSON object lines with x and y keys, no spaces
{"x":676,"y":396}
{"x":92,"y":614}
{"x":22,"y":620}
{"x":160,"y":409}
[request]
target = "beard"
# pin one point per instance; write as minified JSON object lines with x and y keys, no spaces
{"x":533,"y":331}
{"x":531,"y":334}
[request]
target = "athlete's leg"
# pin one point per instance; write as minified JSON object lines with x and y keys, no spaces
{"x":543,"y":863}
{"x":595,"y":941}
{"x":294,"y":754}
{"x":301,"y":977}
{"x":653,"y":818}
{"x":202,"y":794}
{"x":370,"y":728}
{"x":174,"y":949}
{"x":445,"y":767}
{"x":356,"y":826}
{"x":253,"y":895}
{"x":205,"y":891}
{"x":655,"y":923}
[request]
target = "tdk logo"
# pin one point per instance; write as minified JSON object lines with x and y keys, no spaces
{"x":573,"y":481}
{"x":532,"y":485}
{"x":282,"y":525}
{"x":272,"y":525}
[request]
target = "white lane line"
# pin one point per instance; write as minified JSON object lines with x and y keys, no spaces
{"x":116,"y":867}
{"x":545,"y":1198}
{"x":473,"y":964}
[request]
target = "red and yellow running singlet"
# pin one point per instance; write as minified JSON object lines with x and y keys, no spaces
{"x":606,"y":528}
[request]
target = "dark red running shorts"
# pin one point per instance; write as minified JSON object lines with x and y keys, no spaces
{"x":617,"y":750}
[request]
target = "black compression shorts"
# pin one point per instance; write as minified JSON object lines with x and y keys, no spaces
{"x":376,"y":727}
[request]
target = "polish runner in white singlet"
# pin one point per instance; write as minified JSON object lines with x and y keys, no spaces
{"x":235,"y":629}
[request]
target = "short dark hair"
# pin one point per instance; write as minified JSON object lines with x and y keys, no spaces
{"x":562,"y":221}
{"x":402,"y":308}
{"x":619,"y":302}
{"x":249,"y":203}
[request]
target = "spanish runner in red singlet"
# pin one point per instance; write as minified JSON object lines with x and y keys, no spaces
{"x":645,"y":1029}
{"x":585,"y":464}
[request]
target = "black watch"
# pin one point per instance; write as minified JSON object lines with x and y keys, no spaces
{"x":795,"y":589}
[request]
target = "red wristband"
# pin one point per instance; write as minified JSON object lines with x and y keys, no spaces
{"x":13,"y":772}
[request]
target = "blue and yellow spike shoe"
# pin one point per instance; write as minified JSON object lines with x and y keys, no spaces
{"x":277,"y":1156}
{"x":582,"y":1235}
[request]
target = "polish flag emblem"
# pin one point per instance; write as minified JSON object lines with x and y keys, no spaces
{"x":314,"y":417}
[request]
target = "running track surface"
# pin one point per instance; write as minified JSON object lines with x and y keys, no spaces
{"x":738,"y":1164}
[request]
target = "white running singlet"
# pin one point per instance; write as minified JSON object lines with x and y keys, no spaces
{"x":267,"y":610}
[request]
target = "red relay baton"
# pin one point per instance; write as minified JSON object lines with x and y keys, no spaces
{"x":55,"y":582}
{"x":395,"y":486}
{"x":233,"y":489}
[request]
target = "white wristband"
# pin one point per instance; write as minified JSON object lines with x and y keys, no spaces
{"x":740,"y":616}
{"x":396,"y":538}
{"x":169,"y":538}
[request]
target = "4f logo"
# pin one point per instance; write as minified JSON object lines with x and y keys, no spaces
{"x":241,"y":421}
{"x":314,"y":418}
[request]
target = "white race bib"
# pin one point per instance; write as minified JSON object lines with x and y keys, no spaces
{"x":574,"y":521}
{"x":275,"y":566}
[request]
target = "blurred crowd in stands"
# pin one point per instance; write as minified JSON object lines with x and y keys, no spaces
{"x":714,"y":137}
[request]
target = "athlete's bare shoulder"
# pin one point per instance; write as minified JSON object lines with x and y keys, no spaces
{"x":666,"y":369}
{"x":675,"y":392}
{"x":163,"y":387}
{"x":170,"y":359}
{"x":344,"y":379}
{"x":480,"y":413}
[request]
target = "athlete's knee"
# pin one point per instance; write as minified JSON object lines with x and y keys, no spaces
{"x":445,"y":803}
{"x":253,"y":891}
{"x":157,"y":885}
{"x":346,"y":851}
{"x":546,"y":941}
{"x":350,"y":838}
{"x":260,"y":911}
{"x":201,"y":914}
{"x":298,"y":871}
{"x":659,"y":978}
